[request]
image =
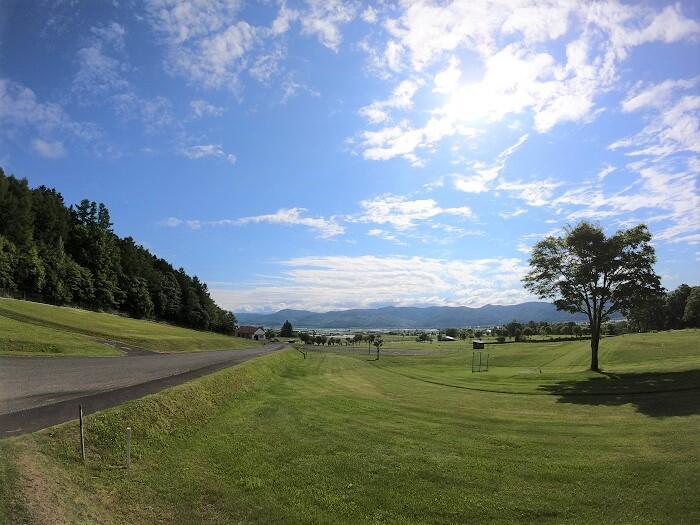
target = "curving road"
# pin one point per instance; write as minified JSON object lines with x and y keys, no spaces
{"x":36,"y":392}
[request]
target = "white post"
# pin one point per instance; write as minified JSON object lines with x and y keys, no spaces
{"x":128,"y":447}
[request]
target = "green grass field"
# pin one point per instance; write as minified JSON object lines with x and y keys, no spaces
{"x":339,"y":438}
{"x":28,"y":328}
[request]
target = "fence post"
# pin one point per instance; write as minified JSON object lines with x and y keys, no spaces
{"x":82,"y":433}
{"x":128,"y":447}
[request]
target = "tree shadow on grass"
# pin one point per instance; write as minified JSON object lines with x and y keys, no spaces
{"x":653,"y":394}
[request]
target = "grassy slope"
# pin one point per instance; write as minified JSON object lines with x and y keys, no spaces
{"x":338,"y":438}
{"x":81,"y":331}
{"x":12,"y":507}
{"x":18,"y":338}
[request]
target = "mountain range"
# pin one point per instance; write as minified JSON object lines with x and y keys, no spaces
{"x":412,"y":317}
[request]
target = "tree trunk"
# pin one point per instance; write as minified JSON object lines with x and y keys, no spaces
{"x":595,"y":340}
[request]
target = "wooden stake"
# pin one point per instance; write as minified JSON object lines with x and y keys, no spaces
{"x":82,"y":433}
{"x":128,"y":447}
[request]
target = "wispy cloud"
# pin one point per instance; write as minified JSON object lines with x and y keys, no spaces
{"x":325,"y":228}
{"x":401,"y":98}
{"x":212,"y":45}
{"x":201,"y":151}
{"x":48,"y":149}
{"x":101,"y":65}
{"x":324,"y":18}
{"x":202,"y":108}
{"x":22,"y":114}
{"x":675,"y":124}
{"x":403,"y":213}
{"x":512,"y":214}
{"x":482,"y":174}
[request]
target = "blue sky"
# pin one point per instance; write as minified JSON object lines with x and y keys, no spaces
{"x":328,"y":154}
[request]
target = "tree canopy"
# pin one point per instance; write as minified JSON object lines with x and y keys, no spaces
{"x":70,"y":255}
{"x":287,"y":329}
{"x":585,"y":271}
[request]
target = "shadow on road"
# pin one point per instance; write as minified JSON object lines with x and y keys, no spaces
{"x":653,"y":394}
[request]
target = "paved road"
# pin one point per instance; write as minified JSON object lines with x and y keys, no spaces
{"x":36,"y":392}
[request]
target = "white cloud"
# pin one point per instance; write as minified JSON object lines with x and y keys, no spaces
{"x":267,"y":65}
{"x":326,"y":228}
{"x":180,"y":21}
{"x":205,"y":40}
{"x":21,"y":114}
{"x":482,"y":176}
{"x":207,"y":150}
{"x":511,"y":214}
{"x":202,"y":108}
{"x":323,"y":18}
{"x":667,"y":198}
{"x":524,"y":248}
{"x":324,"y":283}
{"x":217,"y":60}
{"x":656,"y":95}
{"x":171,"y":222}
{"x":520,"y":73}
{"x":478,"y":183}
{"x":284,"y":19}
{"x":401,"y":98}
{"x":290,"y":87}
{"x":447,"y":80}
{"x":402,"y":213}
{"x":210,"y":43}
{"x":534,"y":193}
{"x":99,"y":73}
{"x":369,"y":15}
{"x":605,"y":171}
{"x":48,"y":149}
{"x":154,"y":113}
{"x":675,"y":125}
{"x":384,"y":234}
{"x":402,"y":140}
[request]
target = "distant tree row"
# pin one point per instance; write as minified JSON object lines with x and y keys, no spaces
{"x":70,"y":255}
{"x":311,"y":339}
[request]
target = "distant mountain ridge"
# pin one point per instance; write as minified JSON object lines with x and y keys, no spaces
{"x":413,"y":317}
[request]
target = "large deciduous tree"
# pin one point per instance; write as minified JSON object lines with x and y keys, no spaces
{"x":585,"y":271}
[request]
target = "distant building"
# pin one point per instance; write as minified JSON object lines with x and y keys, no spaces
{"x":256,"y":333}
{"x":478,"y":344}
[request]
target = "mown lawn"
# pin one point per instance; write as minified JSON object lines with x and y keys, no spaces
{"x":69,"y":324}
{"x":18,"y":338}
{"x":337,"y":438}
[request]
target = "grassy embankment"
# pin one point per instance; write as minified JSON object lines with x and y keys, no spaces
{"x":28,"y":328}
{"x":406,"y":439}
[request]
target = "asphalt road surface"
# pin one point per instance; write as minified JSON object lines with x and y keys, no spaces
{"x":37,"y":392}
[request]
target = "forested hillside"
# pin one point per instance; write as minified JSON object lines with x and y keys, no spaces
{"x":70,"y":255}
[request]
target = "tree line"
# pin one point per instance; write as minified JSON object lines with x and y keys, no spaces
{"x":675,"y":309}
{"x":69,"y":255}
